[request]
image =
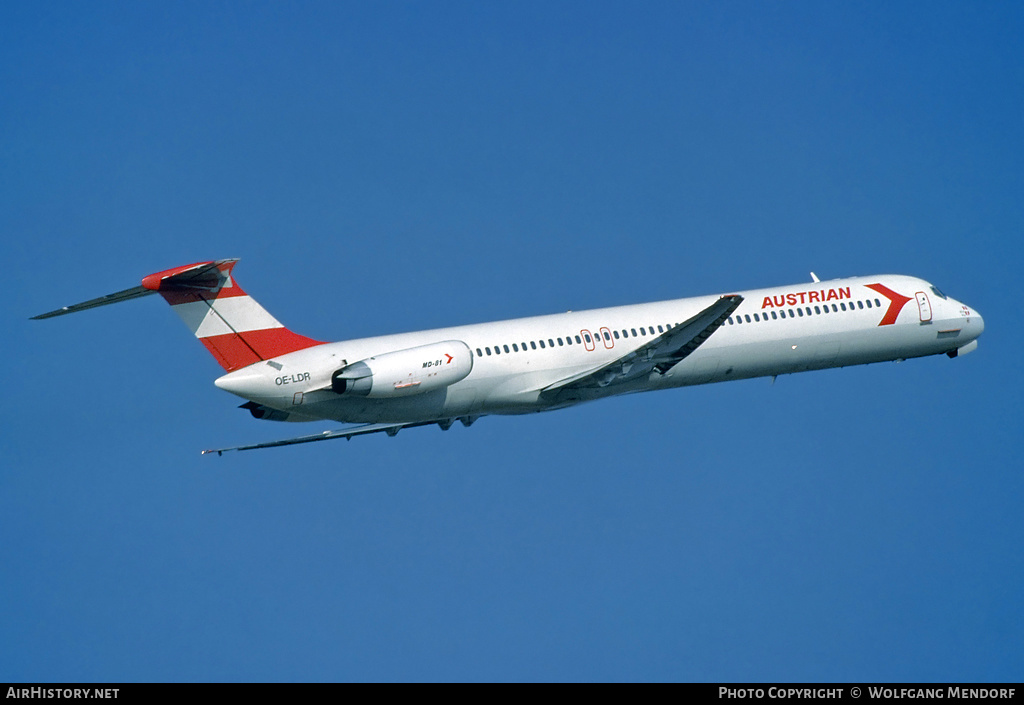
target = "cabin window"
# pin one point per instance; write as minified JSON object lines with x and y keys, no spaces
{"x":533,"y":345}
{"x":586,"y":336}
{"x":515,"y":347}
{"x":860,"y":304}
{"x":869,"y":303}
{"x":542,"y":345}
{"x":606,"y":336}
{"x":817,"y":309}
{"x":800,"y":312}
{"x":560,"y":343}
{"x":505,"y":347}
{"x":578,"y":341}
{"x":879,"y":304}
{"x":488,"y":350}
{"x":775,"y":316}
{"x":616,"y":333}
{"x":729,"y":319}
{"x":634,"y":332}
{"x":660,"y":329}
{"x":551,"y":343}
{"x":479,"y":352}
{"x":757,"y":318}
{"x":842,"y":306}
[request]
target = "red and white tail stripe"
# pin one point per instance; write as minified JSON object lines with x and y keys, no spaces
{"x":234,"y":328}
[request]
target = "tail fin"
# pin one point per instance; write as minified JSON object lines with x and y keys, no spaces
{"x":234,"y":328}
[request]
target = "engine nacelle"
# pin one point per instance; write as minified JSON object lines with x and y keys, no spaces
{"x":266,"y":413}
{"x":405,"y":372}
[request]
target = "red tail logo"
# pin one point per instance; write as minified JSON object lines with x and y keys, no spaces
{"x":235,"y":329}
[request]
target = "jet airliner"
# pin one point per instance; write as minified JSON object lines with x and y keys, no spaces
{"x":526,"y":365}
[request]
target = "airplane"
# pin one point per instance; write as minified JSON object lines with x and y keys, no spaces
{"x":527,"y":365}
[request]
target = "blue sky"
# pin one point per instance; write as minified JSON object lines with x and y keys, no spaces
{"x":383,"y":167}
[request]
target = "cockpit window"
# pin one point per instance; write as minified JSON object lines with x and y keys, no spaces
{"x":938,"y":293}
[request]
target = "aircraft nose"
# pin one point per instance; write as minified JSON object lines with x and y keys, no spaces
{"x":971,"y":321}
{"x":974,"y":324}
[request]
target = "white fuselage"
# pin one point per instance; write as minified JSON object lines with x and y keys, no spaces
{"x":774,"y":331}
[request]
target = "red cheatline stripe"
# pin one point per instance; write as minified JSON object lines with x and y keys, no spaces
{"x":230,"y":351}
{"x":896,"y":303}
{"x":237,"y":350}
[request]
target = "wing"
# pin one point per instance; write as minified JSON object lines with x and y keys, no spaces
{"x":389,"y":428}
{"x":658,"y":354}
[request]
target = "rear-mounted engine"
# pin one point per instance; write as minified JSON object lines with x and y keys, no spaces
{"x":405,"y":372}
{"x":266,"y":413}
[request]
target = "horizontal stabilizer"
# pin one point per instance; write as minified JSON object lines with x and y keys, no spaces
{"x":236,"y":330}
{"x":115,"y":298}
{"x":204,"y":276}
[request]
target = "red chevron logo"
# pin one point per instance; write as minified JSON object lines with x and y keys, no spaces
{"x":896,"y":303}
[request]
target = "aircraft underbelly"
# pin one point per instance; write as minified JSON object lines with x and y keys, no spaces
{"x":799,"y":354}
{"x":422,"y":407}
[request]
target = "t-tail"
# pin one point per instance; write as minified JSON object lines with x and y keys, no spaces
{"x":234,"y":328}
